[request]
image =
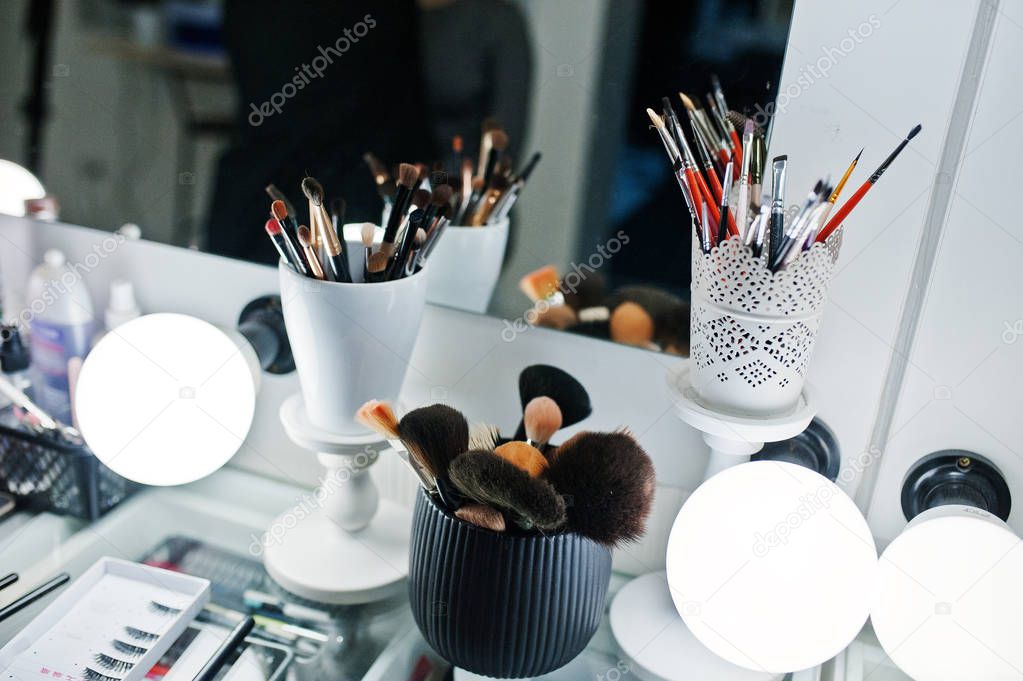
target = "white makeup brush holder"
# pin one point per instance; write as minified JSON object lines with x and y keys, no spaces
{"x":465,"y":266}
{"x":752,"y":330}
{"x":351,"y":342}
{"x":342,"y":544}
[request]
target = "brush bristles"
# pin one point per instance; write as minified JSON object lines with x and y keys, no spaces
{"x":524,"y":456}
{"x":435,"y":435}
{"x":279,"y":210}
{"x":442,"y":195}
{"x":481,"y":515}
{"x":305,"y":237}
{"x":610,"y":483}
{"x":377,"y":168}
{"x":655,"y":118}
{"x":483,"y":436}
{"x":915,"y":131}
{"x":478,"y":183}
{"x":313,"y":190}
{"x":542,"y":417}
{"x":378,"y":262}
{"x":499,"y":139}
{"x":421,"y":198}
{"x":368,"y":234}
{"x":489,"y":479}
{"x":686,"y":102}
{"x":408,"y":175}
{"x":378,"y":417}
{"x":545,"y":380}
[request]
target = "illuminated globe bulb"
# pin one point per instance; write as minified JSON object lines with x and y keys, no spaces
{"x":166,"y":399}
{"x":770,"y":566}
{"x":949,"y":598}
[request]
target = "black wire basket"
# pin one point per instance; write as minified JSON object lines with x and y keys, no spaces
{"x":45,"y":473}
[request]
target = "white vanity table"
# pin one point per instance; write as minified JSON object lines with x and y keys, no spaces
{"x":477,"y":373}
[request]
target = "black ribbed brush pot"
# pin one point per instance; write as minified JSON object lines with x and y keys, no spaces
{"x":508,"y":605}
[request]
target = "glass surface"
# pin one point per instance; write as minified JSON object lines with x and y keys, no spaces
{"x":174,"y":116}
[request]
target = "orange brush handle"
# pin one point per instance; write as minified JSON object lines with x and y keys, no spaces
{"x":737,"y":150}
{"x":723,"y":155}
{"x":712,"y":208}
{"x":715,"y":184}
{"x":836,"y":221}
{"x":695,"y":190}
{"x":732,"y":229}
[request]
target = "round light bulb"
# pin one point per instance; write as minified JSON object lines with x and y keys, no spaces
{"x":949,"y":598}
{"x":770,"y":566}
{"x":16,"y":185}
{"x":166,"y":399}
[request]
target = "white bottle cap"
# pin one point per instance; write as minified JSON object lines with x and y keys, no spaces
{"x":54,"y":258}
{"x":122,"y":307}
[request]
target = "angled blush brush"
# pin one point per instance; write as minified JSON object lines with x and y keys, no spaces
{"x":489,"y":479}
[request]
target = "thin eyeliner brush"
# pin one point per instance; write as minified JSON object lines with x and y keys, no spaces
{"x":838,"y":190}
{"x":848,"y":206}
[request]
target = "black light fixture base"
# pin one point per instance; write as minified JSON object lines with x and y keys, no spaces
{"x":262,"y":323}
{"x":815,"y":448}
{"x":955,"y":476}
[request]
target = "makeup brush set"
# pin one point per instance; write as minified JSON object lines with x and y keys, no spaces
{"x":598,"y":485}
{"x":722,"y":183}
{"x":319,"y":250}
{"x":475,"y":194}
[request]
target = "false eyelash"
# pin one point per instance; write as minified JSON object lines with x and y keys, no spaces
{"x":129,"y":649}
{"x":92,"y":675}
{"x":112,"y":663}
{"x":140,"y":635}
{"x":163,"y":609}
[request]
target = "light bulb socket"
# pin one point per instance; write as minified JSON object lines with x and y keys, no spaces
{"x":815,"y":448}
{"x":262,"y":324}
{"x":955,"y":477}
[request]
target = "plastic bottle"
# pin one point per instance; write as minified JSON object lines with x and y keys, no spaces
{"x":14,"y":361}
{"x":61,"y":326}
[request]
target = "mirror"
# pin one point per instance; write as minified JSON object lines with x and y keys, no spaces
{"x":176,"y":114}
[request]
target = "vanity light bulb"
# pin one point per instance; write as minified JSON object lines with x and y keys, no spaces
{"x":770,"y":566}
{"x":949,"y":597}
{"x":166,"y":399}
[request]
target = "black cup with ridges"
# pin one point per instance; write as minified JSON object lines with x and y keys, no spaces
{"x":504,"y":605}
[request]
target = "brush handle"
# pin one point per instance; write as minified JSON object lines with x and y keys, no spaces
{"x":846,"y":208}
{"x":8,"y":580}
{"x":715,"y":184}
{"x":736,"y":151}
{"x":33,"y":596}
{"x":219,"y":658}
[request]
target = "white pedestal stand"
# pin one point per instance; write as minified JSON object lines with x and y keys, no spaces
{"x":342,"y":545}
{"x":644,"y":622}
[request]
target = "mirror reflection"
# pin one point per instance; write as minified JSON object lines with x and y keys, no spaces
{"x":526,"y":122}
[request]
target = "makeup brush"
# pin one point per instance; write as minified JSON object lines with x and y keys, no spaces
{"x":838,"y":189}
{"x":498,"y":186}
{"x":381,"y":177}
{"x":285,"y":248}
{"x":542,"y":418}
{"x":631,"y":324}
{"x":481,"y":515}
{"x":756,"y":172}
{"x":777,"y":225}
{"x":379,"y":417}
{"x":434,"y":435}
{"x":279,"y":209}
{"x":489,"y":479}
{"x":338,"y":208}
{"x":730,"y":128}
{"x":441,"y":199}
{"x":420,"y":200}
{"x":408,"y":176}
{"x":848,"y":206}
{"x":397,"y":267}
{"x":329,"y":245}
{"x":510,"y":197}
{"x":498,"y":144}
{"x":543,"y":288}
{"x":702,"y":146}
{"x":476,"y":192}
{"x":726,"y":228}
{"x":306,"y":241}
{"x":465,"y":190}
{"x":742,"y":209}
{"x":524,"y":455}
{"x":411,"y":263}
{"x":368,"y":235}
{"x":276,"y":194}
{"x":542,"y":380}
{"x":610,"y":481}
{"x":483,"y":436}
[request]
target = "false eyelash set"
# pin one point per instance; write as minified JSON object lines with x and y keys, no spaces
{"x":113,"y":623}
